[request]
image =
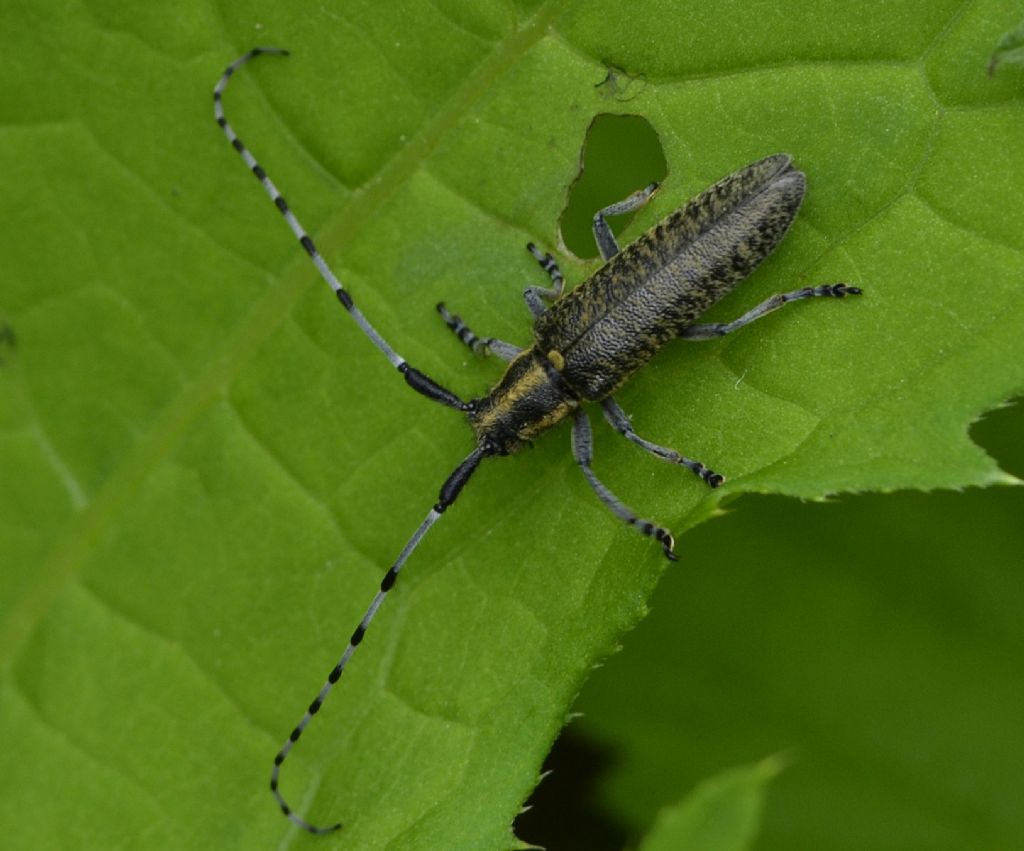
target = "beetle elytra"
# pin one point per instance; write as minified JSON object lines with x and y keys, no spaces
{"x":586,"y":343}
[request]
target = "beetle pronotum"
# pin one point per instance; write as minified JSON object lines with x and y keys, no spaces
{"x":586,"y":343}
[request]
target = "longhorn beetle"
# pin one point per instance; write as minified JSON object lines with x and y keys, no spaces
{"x":586,"y":343}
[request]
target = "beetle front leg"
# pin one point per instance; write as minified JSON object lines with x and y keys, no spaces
{"x":486,"y":345}
{"x":619,"y":420}
{"x":583,"y":452}
{"x":720,"y":329}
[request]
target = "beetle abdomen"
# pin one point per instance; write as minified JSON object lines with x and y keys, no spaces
{"x":613,"y":323}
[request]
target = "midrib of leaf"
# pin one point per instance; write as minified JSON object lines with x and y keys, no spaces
{"x":90,"y":525}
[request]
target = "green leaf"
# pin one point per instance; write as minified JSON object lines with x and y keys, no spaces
{"x":721,"y":814}
{"x":207,"y":468}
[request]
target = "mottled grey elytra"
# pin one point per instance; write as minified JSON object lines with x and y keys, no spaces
{"x":586,"y":343}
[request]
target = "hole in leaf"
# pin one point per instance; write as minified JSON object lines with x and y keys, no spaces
{"x":998,"y":433}
{"x":564,"y":810}
{"x":622,"y":153}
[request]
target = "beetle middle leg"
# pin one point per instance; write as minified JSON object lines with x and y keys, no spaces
{"x":603,"y":235}
{"x":619,"y":420}
{"x":720,"y":329}
{"x":479,"y":345}
{"x":583,"y":452}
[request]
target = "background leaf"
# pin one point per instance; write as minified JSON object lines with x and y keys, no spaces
{"x":207,"y":469}
{"x":723,"y":812}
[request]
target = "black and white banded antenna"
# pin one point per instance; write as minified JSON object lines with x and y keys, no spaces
{"x":414,"y":378}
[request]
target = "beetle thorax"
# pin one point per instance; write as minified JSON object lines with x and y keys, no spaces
{"x":530,"y":398}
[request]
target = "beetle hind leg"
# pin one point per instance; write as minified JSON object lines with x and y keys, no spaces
{"x":770,"y":305}
{"x":619,"y":420}
{"x":583,"y":452}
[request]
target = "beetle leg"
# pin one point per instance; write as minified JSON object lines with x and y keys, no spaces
{"x":583,"y":452}
{"x":720,"y":329}
{"x":603,"y":235}
{"x":480,"y":346}
{"x":549,"y":265}
{"x":536,"y":297}
{"x":619,"y":420}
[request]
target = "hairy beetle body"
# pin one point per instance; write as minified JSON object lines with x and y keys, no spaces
{"x":590,"y":341}
{"x":645,"y":295}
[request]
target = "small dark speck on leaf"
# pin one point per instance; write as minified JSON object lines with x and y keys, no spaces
{"x":620,"y":86}
{"x":7,"y":338}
